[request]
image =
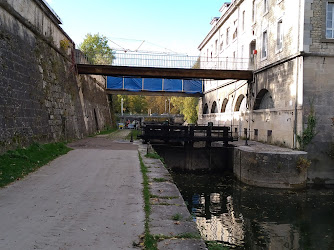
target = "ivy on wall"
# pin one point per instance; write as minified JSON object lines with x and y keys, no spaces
{"x":309,"y":132}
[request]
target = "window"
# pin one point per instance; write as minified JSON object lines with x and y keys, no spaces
{"x":264,"y":53}
{"x":221,"y":42}
{"x":243,"y":21}
{"x":330,"y":21}
{"x":227,"y":35}
{"x":216,"y":47}
{"x":235,"y":34}
{"x":279,"y":39}
{"x":265,"y":6}
{"x":253,"y":11}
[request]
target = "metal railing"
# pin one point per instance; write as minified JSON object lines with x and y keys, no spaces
{"x":164,"y":60}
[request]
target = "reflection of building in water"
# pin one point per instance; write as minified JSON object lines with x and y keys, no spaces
{"x":227,"y":227}
{"x":278,"y":237}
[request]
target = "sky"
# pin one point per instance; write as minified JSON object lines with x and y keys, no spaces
{"x":164,"y":25}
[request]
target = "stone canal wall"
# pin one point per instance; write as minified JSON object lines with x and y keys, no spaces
{"x":169,"y":219}
{"x":42,"y":99}
{"x":269,"y":168}
{"x":257,"y":164}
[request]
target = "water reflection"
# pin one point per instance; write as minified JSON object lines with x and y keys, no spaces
{"x":218,"y":225}
{"x":244,"y":217}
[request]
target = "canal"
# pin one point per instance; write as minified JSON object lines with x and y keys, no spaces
{"x":244,"y":217}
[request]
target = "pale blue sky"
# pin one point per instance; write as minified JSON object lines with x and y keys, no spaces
{"x":178,"y":25}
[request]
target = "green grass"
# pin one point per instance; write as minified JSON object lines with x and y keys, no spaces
{"x":14,"y":165}
{"x":159,"y":179}
{"x":134,"y":133}
{"x":212,"y":245}
{"x":177,"y":217}
{"x":153,"y":155}
{"x":178,"y":236}
{"x":107,"y":131}
{"x":149,"y":240}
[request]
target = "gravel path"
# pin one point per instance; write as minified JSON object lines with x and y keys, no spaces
{"x":88,"y":199}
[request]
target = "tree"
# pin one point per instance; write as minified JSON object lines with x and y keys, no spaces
{"x":187,"y":106}
{"x":137,"y":104}
{"x":97,"y":50}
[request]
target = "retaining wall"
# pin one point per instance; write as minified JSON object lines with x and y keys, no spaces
{"x":270,"y":169}
{"x":42,"y":99}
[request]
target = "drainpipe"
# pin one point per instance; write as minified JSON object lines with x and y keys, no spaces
{"x":297,"y":82}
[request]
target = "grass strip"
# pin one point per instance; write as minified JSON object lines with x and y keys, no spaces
{"x":149,"y":240}
{"x":153,"y":155}
{"x":159,"y":180}
{"x":107,"y":131}
{"x":134,"y":133}
{"x":16,"y":164}
{"x":213,"y":245}
{"x":179,"y":236}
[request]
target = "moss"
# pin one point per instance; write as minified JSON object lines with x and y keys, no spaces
{"x":303,"y":164}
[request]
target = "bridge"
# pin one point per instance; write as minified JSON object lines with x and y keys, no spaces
{"x":164,"y":74}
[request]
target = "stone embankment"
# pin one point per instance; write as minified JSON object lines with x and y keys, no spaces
{"x":170,"y":219}
{"x":264,"y":165}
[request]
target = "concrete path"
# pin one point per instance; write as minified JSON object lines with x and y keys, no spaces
{"x":90,"y":198}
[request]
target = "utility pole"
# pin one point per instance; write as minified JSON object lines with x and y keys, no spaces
{"x":169,"y":106}
{"x":165,"y":106}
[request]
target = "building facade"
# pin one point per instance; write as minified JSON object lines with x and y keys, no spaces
{"x":290,"y":47}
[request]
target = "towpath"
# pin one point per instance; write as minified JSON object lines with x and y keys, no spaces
{"x":90,"y":198}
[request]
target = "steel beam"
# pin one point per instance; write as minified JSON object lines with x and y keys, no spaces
{"x":169,"y":73}
{"x":152,"y":93}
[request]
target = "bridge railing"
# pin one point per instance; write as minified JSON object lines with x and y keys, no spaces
{"x":164,"y":60}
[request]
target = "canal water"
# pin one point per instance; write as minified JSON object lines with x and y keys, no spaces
{"x":245,"y":217}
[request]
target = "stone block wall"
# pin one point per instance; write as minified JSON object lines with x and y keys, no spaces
{"x":42,"y":99}
{"x":315,"y":26}
{"x":273,"y":170}
{"x":318,"y":94}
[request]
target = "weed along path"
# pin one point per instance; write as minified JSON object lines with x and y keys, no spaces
{"x":90,"y":198}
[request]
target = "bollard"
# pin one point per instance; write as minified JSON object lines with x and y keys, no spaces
{"x":246,"y":142}
{"x":131,"y":139}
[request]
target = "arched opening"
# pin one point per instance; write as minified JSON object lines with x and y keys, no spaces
{"x":214,"y":108}
{"x":238,"y":103}
{"x":223,"y":109}
{"x":264,"y":100}
{"x":206,"y":109}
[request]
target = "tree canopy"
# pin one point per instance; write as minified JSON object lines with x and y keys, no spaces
{"x":96,"y":49}
{"x":137,"y":104}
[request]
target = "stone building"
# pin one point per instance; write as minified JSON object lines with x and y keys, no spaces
{"x":289,"y":45}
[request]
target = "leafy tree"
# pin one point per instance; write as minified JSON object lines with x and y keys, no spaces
{"x":157,"y":104}
{"x":187,"y":106}
{"x":97,"y":50}
{"x":137,"y":104}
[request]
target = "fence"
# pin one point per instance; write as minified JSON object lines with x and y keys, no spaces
{"x":164,"y":60}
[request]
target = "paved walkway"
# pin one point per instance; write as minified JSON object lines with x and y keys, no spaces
{"x":90,"y":198}
{"x":255,"y":146}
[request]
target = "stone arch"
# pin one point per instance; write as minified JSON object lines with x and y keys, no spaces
{"x":214,"y":108}
{"x":263,"y":100}
{"x":223,"y":108}
{"x":206,"y":109}
{"x":238,"y":102}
